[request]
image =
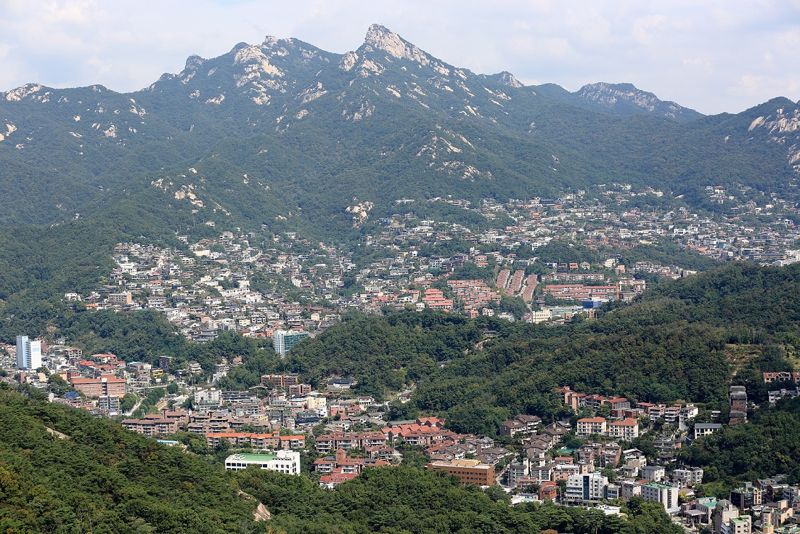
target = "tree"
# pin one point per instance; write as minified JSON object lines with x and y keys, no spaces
{"x":127,"y":402}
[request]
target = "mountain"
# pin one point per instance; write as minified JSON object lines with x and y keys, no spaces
{"x":625,"y":98}
{"x":285,"y":136}
{"x":256,"y":134}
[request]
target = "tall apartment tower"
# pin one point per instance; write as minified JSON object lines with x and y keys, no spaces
{"x":283,"y":341}
{"x":738,"y":396}
{"x":29,"y":353}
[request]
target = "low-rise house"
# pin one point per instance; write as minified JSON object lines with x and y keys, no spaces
{"x":287,"y":462}
{"x":688,"y":476}
{"x":654,"y":473}
{"x":520,"y":425}
{"x":705,"y":429}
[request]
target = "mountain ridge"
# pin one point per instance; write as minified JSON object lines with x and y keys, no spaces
{"x":386,"y":120}
{"x":378,"y":37}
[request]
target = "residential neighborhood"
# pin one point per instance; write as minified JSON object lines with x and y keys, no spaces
{"x":602,"y":452}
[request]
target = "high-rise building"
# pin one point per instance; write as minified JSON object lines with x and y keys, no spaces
{"x":283,"y":340}
{"x":29,"y":353}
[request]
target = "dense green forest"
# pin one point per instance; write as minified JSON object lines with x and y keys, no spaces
{"x":385,"y":352}
{"x":63,"y":470}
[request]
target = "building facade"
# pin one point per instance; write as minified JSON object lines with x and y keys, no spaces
{"x":29,"y":353}
{"x":283,"y":340}
{"x":664,"y":494}
{"x":586,"y":487}
{"x":467,"y":471}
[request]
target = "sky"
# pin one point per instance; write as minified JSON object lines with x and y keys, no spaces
{"x":710,"y":55}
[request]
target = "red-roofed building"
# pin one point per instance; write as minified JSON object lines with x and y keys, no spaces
{"x":419,"y":435}
{"x":572,"y":399}
{"x":626,"y":429}
{"x":548,"y":491}
{"x":333,"y":479}
{"x":591,"y":425}
{"x":435,"y":300}
{"x":257,"y":441}
{"x":341,"y":468}
{"x":430,"y":421}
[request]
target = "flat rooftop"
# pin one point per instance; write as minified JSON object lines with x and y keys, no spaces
{"x":251,"y":457}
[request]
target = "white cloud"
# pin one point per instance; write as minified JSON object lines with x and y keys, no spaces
{"x":714,"y":55}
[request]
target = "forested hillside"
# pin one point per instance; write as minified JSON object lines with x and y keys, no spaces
{"x":62,"y":470}
{"x":674,"y":343}
{"x":411,"y":500}
{"x":768,"y":444}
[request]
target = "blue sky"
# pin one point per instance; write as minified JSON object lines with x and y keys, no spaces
{"x":711,"y":55}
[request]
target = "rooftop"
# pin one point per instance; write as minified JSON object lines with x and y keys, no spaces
{"x":659,"y":485}
{"x":251,"y":457}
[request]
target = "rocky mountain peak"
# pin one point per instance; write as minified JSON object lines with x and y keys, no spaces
{"x":194,"y":62}
{"x":506,"y":78}
{"x":620,"y":95}
{"x":381,"y":38}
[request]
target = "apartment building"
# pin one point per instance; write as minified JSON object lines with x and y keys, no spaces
{"x":626,"y":429}
{"x":591,"y":425}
